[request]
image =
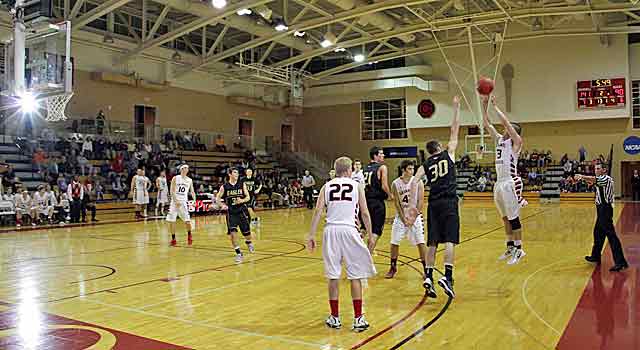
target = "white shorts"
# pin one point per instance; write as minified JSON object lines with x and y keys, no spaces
{"x":182,"y":211}
{"x":45,"y":210}
{"x":343,"y":243}
{"x":506,"y":199}
{"x":141,"y":198}
{"x":415,"y":233}
{"x":163,"y":197}
{"x":25,"y":210}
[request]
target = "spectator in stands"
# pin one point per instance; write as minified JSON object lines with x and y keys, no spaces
{"x":564,"y":159}
{"x":62,"y":183}
{"x":87,"y":147}
{"x":220,"y":146}
{"x":471,"y":183}
{"x":567,"y":167}
{"x":482,"y":183}
{"x":117,"y":188}
{"x":169,"y":140}
{"x":89,"y":201}
{"x":39,"y":159}
{"x":332,"y":174}
{"x":533,"y":175}
{"x":635,"y":185}
{"x":582,"y":154}
{"x":8,"y":195}
{"x":85,"y":166}
{"x":99,"y":191}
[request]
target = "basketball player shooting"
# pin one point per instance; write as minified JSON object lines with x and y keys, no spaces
{"x":341,"y":240}
{"x":508,"y":184}
{"x":443,"y":217}
{"x":181,"y":186}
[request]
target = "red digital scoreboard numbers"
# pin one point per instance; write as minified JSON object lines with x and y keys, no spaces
{"x":602,"y":93}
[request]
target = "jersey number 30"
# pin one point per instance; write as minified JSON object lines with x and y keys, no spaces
{"x":438,"y":170}
{"x":340,"y":192}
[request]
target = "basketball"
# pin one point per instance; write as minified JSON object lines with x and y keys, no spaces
{"x":412,"y":214}
{"x":485,"y":86}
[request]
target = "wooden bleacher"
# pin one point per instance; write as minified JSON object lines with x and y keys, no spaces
{"x":578,"y":197}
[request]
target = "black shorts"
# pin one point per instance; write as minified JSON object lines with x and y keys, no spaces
{"x":377,"y":211}
{"x":241,"y":220}
{"x":443,"y":221}
{"x":252,"y":202}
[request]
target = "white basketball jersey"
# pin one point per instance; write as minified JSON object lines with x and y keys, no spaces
{"x":141,"y":183}
{"x":22,"y":202}
{"x":358,"y":176}
{"x":183,"y":186}
{"x":162,"y":181}
{"x":41,"y":200}
{"x":341,"y":196}
{"x":506,"y":160}
{"x":407,"y":199}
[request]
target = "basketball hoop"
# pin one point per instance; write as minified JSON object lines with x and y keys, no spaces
{"x":56,"y":105}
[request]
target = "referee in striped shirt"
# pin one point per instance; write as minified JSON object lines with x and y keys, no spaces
{"x":604,"y":222}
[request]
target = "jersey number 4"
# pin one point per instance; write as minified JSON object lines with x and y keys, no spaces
{"x":438,"y":170}
{"x":340,"y":192}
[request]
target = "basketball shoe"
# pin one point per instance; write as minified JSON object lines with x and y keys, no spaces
{"x":360,"y":324}
{"x":518,"y":254}
{"x":447,"y":286}
{"x":507,"y":253}
{"x":333,"y":322}
{"x":428,"y":286}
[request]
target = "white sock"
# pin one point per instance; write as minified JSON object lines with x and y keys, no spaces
{"x":517,"y":243}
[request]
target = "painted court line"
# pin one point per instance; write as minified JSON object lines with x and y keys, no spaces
{"x":215,"y":289}
{"x":208,"y":325}
{"x":524,"y":293}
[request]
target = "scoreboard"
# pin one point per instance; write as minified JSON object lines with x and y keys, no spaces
{"x":602,"y":93}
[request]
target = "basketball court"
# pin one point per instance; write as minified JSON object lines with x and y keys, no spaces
{"x":118,"y":284}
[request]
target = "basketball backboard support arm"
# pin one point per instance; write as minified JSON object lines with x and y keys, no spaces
{"x":19,"y":44}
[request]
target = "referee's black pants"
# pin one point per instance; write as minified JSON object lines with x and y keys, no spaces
{"x":636,"y":194}
{"x":604,"y":229}
{"x":308,"y":196}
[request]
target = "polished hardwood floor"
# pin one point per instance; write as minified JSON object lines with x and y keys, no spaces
{"x":120,"y":286}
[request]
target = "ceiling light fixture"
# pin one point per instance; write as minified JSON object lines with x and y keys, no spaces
{"x":329,"y":39}
{"x":358,"y":57}
{"x":340,"y":49}
{"x":298,"y":33}
{"x":280,"y":25}
{"x":244,"y":12}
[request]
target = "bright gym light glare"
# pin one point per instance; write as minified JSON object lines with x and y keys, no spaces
{"x":219,"y":3}
{"x":244,"y":12}
{"x":28,"y":103}
{"x":358,"y":58}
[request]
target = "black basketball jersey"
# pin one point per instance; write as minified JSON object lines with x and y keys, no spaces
{"x":441,"y":176}
{"x":233,"y":193}
{"x":252,"y":184}
{"x":373,"y":188}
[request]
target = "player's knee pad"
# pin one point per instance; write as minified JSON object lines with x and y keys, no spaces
{"x":515,"y":224}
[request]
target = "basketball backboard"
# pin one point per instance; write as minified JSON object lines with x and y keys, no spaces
{"x":38,"y":63}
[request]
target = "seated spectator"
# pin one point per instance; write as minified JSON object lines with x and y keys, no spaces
{"x":564,"y":159}
{"x":87,"y":147}
{"x":39,"y":159}
{"x":482,"y":183}
{"x":567,"y":167}
{"x":471,"y":184}
{"x":85,"y":166}
{"x":220,"y":146}
{"x":62,"y":183}
{"x":99,"y":191}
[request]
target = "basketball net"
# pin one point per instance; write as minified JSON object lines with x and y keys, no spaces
{"x":56,"y":106}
